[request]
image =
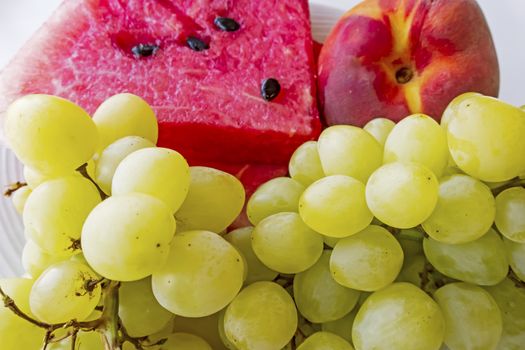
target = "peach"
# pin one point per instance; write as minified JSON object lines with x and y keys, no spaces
{"x":394,"y":58}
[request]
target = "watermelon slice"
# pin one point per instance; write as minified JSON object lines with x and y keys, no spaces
{"x":200,"y":64}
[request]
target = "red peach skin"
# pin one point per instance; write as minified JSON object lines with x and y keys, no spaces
{"x":393,"y":58}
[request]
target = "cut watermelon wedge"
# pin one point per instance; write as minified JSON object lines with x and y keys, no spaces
{"x":202,"y":77}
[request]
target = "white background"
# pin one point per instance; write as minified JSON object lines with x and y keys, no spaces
{"x":20,"y":18}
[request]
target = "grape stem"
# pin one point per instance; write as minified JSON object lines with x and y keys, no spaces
{"x":83,"y":171}
{"x":110,"y":324}
{"x":50,"y":328}
{"x":47,"y":339}
{"x":74,"y":339}
{"x":137,"y":342}
{"x":516,"y":182}
{"x":13,"y":188}
{"x":514,"y":278}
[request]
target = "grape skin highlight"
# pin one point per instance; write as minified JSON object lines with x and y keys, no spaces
{"x":335,"y":206}
{"x":159,"y":172}
{"x":368,"y":261}
{"x":127,"y":237}
{"x":285,"y":244}
{"x":49,"y":133}
{"x":202,"y":275}
{"x":56,"y":210}
{"x":262,"y":316}
{"x":472,"y":317}
{"x":482,"y":262}
{"x":349,"y":150}
{"x":418,"y":138}
{"x":402,"y":195}
{"x":123,"y":115}
{"x":318,"y":296}
{"x":305,"y":165}
{"x":465,"y":210}
{"x":399,"y":317}
{"x":214,"y":200}
{"x":275,"y":196}
{"x":65,"y":291}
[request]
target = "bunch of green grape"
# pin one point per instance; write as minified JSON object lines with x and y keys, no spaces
{"x":103,"y":205}
{"x":407,"y":236}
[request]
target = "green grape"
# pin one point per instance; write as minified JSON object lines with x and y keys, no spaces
{"x":380,"y":128}
{"x":184,"y":341}
{"x":399,"y":317}
{"x":262,"y":316}
{"x":464,"y":212}
{"x":127,"y":237}
{"x":305,"y":165}
{"x":472,"y":317}
{"x":343,"y":326}
{"x":510,"y":213}
{"x":511,"y":302}
{"x":139,"y":311}
{"x":335,"y":206}
{"x":452,"y":109}
{"x":481,"y":262}
{"x":65,"y":291}
{"x":285,"y":244}
{"x":228,"y":344}
{"x":35,"y":260}
{"x":49,"y":133}
{"x":19,"y":198}
{"x":214,"y":200}
{"x":486,"y":139}
{"x":413,"y":265}
{"x":516,"y":255}
{"x":15,"y":332}
{"x":205,"y":327}
{"x":202,"y":275}
{"x":159,"y":172}
{"x":85,"y":341}
{"x":124,"y":115}
{"x":349,"y":150}
{"x":113,"y":154}
{"x":257,"y":271}
{"x":369,"y":260}
{"x":411,"y":242}
{"x":56,"y":210}
{"x":318,"y":296}
{"x":331,"y":241}
{"x":275,"y":196}
{"x":402,"y":195}
{"x":325,"y":341}
{"x":419,"y":139}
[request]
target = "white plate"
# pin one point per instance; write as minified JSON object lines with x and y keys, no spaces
{"x":19,"y":19}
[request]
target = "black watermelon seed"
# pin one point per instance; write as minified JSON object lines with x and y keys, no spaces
{"x":196,"y":44}
{"x":226,"y":24}
{"x":144,"y":50}
{"x":270,"y":89}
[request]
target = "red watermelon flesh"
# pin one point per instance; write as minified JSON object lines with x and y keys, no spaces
{"x":208,"y":103}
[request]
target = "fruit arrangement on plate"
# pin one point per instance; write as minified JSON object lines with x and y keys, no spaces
{"x":182,"y":191}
